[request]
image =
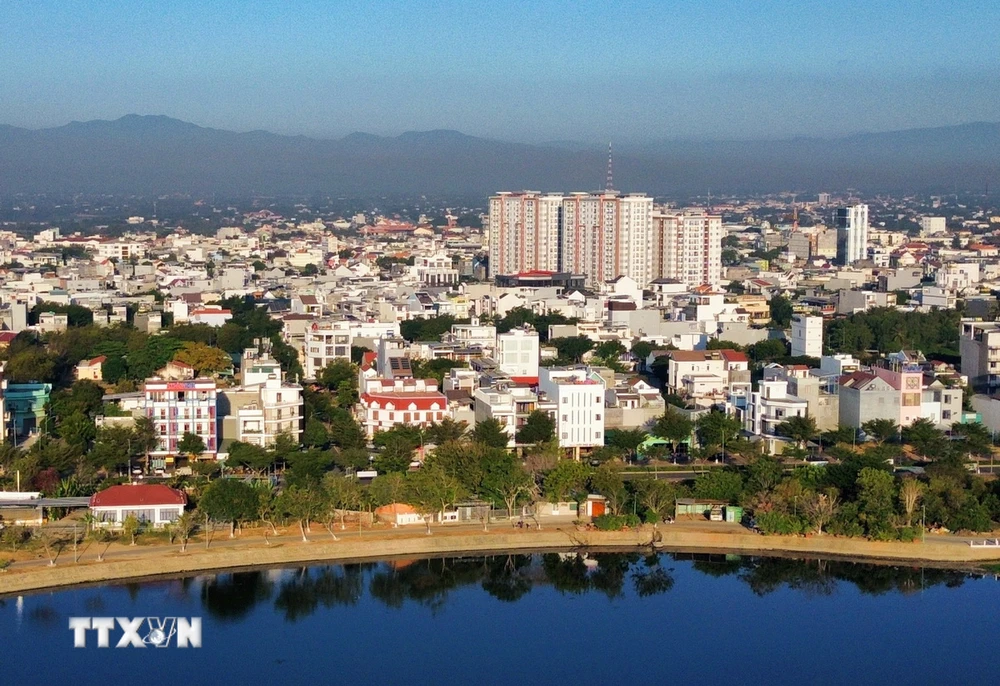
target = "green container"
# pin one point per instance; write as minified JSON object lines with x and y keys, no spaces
{"x":734,"y":514}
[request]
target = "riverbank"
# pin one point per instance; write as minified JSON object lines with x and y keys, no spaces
{"x":142,"y":562}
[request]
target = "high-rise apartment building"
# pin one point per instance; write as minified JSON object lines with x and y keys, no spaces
{"x":852,"y":234}
{"x":607,"y":235}
{"x":524,"y":232}
{"x":602,"y":235}
{"x":687,"y":246}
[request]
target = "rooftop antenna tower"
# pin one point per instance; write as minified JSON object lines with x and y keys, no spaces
{"x":795,"y":214}
{"x":609,"y":185}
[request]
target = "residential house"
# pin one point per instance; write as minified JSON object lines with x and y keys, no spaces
{"x":155,"y":505}
{"x":90,"y":370}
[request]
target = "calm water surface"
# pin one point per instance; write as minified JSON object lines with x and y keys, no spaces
{"x":523,"y":619}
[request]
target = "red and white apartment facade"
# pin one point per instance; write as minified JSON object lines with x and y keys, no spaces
{"x":179,"y":407}
{"x":388,"y":402}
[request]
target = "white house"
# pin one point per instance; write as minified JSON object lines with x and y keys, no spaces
{"x":212,"y":316}
{"x":153,"y":504}
{"x":578,"y":394}
{"x":769,"y":407}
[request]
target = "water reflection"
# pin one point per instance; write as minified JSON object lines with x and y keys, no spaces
{"x":298,"y":593}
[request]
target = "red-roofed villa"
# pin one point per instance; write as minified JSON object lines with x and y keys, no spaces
{"x":155,"y":505}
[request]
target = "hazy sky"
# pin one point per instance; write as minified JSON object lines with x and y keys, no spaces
{"x":532,"y":70}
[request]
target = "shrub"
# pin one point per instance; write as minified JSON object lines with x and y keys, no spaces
{"x":908,"y":533}
{"x":779,"y":523}
{"x":846,"y":522}
{"x":5,"y":563}
{"x":609,"y":522}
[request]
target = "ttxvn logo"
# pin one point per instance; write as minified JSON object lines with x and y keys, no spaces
{"x":138,"y":632}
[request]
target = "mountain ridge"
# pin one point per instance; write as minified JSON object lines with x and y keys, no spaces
{"x":158,"y":154}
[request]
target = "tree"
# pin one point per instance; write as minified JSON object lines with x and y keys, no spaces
{"x":717,"y":428}
{"x":185,"y":526}
{"x":539,"y":427}
{"x":657,"y":497}
{"x":722,"y":344}
{"x":345,"y":432}
{"x":205,"y":359}
{"x":229,"y":500}
{"x":641,"y":351}
{"x":781,"y":311}
{"x":876,"y":493}
{"x":674,"y":427}
{"x":315,"y":433}
{"x":303,"y":505}
{"x":342,"y":494}
{"x":446,"y":430}
{"x":78,"y":430}
{"x":386,"y":489}
{"x":842,"y":434}
{"x":926,"y":438}
{"x":609,"y":353}
{"x":573,"y":348}
{"x":336,"y":372}
{"x":306,"y":468}
{"x":490,"y":432}
{"x":607,"y":481}
{"x":626,"y":440}
{"x":567,"y":481}
{"x":253,"y":457}
{"x":764,"y":472}
{"x":191,"y":444}
{"x":799,"y":429}
{"x":505,"y":480}
{"x":719,"y":484}
{"x":130,"y":528}
{"x":112,"y":448}
{"x":431,"y":490}
{"x":977,"y":438}
{"x":910,"y":492}
{"x":821,"y":508}
{"x":881,"y":430}
{"x":435,"y":369}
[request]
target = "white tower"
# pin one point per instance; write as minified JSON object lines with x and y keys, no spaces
{"x":807,"y":336}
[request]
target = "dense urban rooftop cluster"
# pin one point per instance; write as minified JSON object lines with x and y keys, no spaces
{"x":573,"y":326}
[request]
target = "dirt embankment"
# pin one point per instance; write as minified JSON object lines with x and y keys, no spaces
{"x":163,"y":560}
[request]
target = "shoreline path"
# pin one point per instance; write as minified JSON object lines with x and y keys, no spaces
{"x":124,"y":562}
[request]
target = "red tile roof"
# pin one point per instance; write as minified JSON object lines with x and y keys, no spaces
{"x":734,"y":356}
{"x":138,"y":494}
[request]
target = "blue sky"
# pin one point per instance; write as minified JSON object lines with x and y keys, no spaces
{"x":532,"y":71}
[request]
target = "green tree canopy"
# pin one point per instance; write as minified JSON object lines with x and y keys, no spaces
{"x":539,"y":427}
{"x":490,"y":432}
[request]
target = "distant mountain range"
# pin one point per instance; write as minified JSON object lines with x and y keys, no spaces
{"x":156,"y":154}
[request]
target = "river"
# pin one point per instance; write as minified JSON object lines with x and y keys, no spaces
{"x":602,"y":618}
